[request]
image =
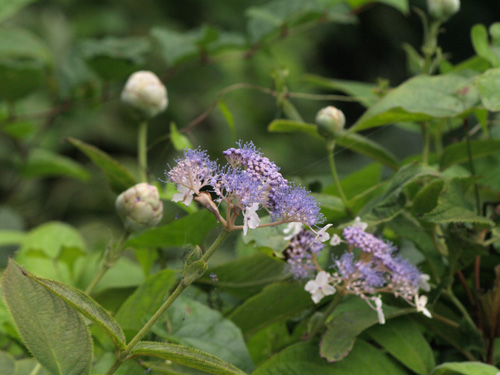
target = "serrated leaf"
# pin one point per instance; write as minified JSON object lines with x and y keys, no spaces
{"x":8,"y":8}
{"x":119,"y":178}
{"x":43,"y":163}
{"x":289,"y":126}
{"x":422,"y":98}
{"x":86,"y":306}
{"x":457,"y":152}
{"x":367,"y":147}
{"x":465,"y":368}
{"x":186,"y":356}
{"x":347,"y":323}
{"x":180,"y":141}
{"x":53,"y":331}
{"x":488,"y":85}
{"x":363,"y":92}
{"x":403,"y":339}
{"x":303,"y":358}
{"x":481,"y":44}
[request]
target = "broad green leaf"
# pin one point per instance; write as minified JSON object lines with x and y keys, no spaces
{"x":358,"y":182}
{"x":465,"y":368}
{"x":329,"y":202}
{"x":20,"y":129}
{"x":457,"y":153}
{"x":488,"y":85}
{"x":267,"y":238}
{"x":19,"y":78}
{"x":415,"y":62}
{"x":180,"y":141}
{"x":363,"y":92}
{"x":11,"y":237}
{"x":246,"y":276}
{"x":86,"y":306}
{"x":481,"y":44}
{"x":191,"y":229}
{"x":145,"y":301}
{"x":119,"y":178}
{"x":45,"y":163}
{"x":455,"y":206}
{"x":186,"y":356}
{"x":194,"y":324}
{"x":426,"y":198}
{"x":228,"y":116}
{"x":22,"y":45}
{"x":10,"y":7}
{"x":276,"y":302}
{"x":303,"y":358}
{"x":289,"y":126}
{"x":401,"y":5}
{"x":25,"y":366}
{"x":7,"y":363}
{"x":115,"y":59}
{"x":367,"y":147}
{"x":53,"y":331}
{"x":422,"y":98}
{"x":347,"y":323}
{"x":404,"y":340}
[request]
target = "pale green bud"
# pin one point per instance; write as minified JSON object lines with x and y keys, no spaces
{"x":144,"y":91}
{"x":330,"y":121}
{"x":140,"y":207}
{"x":194,"y":271}
{"x":443,"y":9}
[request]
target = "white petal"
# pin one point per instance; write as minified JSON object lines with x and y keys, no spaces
{"x":380,"y":312}
{"x":359,"y":223}
{"x":423,"y":284}
{"x":322,"y":278}
{"x":317,"y":296}
{"x":328,"y":290}
{"x":335,"y":241}
{"x":292,"y":230}
{"x":184,"y":195}
{"x":426,"y":312}
{"x":322,"y":235}
{"x":250,"y":218}
{"x":311,"y":286}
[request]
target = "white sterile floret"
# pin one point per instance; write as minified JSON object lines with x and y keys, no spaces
{"x":378,"y":309}
{"x":336,"y":240}
{"x":292,"y":229}
{"x":424,"y":282}
{"x":360,"y":224}
{"x":320,"y":287}
{"x":322,"y":235}
{"x":184,"y":195}
{"x":420,"y":302}
{"x":250,"y":218}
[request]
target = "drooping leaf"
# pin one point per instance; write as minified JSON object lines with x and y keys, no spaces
{"x":186,"y":356}
{"x":487,"y":84}
{"x":8,"y":8}
{"x":422,"y":98}
{"x":119,"y":178}
{"x":401,"y":5}
{"x":43,"y":163}
{"x":402,"y":338}
{"x":303,"y":358}
{"x":481,"y":44}
{"x":86,"y":306}
{"x":53,"y":331}
{"x":465,"y":368}
{"x":457,"y":153}
{"x":289,"y":126}
{"x":180,"y":141}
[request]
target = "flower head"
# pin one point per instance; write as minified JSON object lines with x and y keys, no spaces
{"x":299,"y":253}
{"x":320,"y":287}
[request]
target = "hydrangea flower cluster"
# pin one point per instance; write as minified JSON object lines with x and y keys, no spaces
{"x":248,"y":183}
{"x":299,"y":253}
{"x":373,"y":269}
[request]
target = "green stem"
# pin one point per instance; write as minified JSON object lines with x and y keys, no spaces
{"x":142,"y":150}
{"x":430,"y":46}
{"x":122,"y":357}
{"x":459,"y":306}
{"x":330,"y":146}
{"x":471,"y":164}
{"x":321,"y":322}
{"x":426,"y":134}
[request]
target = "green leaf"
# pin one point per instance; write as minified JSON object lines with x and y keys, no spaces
{"x":20,"y":129}
{"x":465,"y":368}
{"x":11,"y":237}
{"x":303,"y":358}
{"x":426,"y":198}
{"x":246,"y":276}
{"x":145,"y":301}
{"x":115,"y":59}
{"x":457,"y":152}
{"x":180,"y":141}
{"x":7,"y":363}
{"x":21,"y":45}
{"x":192,"y":323}
{"x":481,"y":44}
{"x":175,"y":46}
{"x":186,"y":356}
{"x":488,"y":85}
{"x":43,"y":163}
{"x":363,"y":92}
{"x":404,"y":340}
{"x":351,"y":318}
{"x":119,"y":178}
{"x":401,"y":5}
{"x":86,"y":306}
{"x":7,"y":9}
{"x":367,"y":147}
{"x":228,"y":116}
{"x":53,"y":331}
{"x":19,"y":78}
{"x":422,"y":98}
{"x":290,"y":111}
{"x":330,"y":202}
{"x":191,"y":229}
{"x":267,"y":238}
{"x":289,"y":126}
{"x":276,"y":302}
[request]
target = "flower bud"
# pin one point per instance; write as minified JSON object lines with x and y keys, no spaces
{"x":139,"y":207}
{"x":443,"y":9}
{"x":330,"y":121}
{"x":144,"y":91}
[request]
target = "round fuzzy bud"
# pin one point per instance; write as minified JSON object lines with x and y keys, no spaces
{"x":139,"y":207}
{"x":144,"y":91}
{"x":443,"y":9}
{"x":330,"y":121}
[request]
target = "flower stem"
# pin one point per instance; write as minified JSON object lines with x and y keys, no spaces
{"x":427,"y":138}
{"x":330,"y":146}
{"x":123,"y":356}
{"x":142,"y":149}
{"x":321,"y":322}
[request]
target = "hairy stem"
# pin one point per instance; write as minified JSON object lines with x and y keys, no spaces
{"x":142,"y":150}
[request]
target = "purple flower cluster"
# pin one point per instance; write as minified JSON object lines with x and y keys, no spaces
{"x":299,"y":254}
{"x":250,"y":178}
